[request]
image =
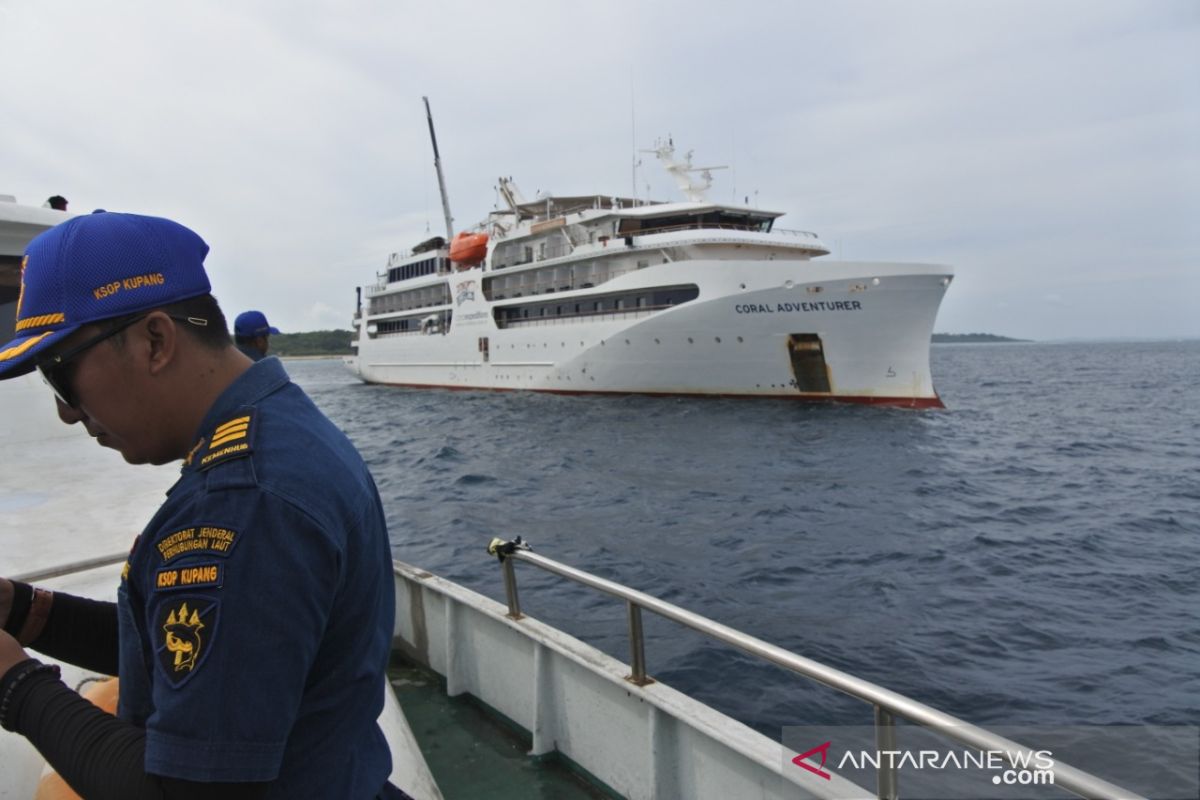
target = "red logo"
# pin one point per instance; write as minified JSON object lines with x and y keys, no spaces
{"x":823,"y":749}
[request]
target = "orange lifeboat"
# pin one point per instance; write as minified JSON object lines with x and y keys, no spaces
{"x":468,"y":249}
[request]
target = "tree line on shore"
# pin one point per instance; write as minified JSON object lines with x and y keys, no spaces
{"x":312,"y":343}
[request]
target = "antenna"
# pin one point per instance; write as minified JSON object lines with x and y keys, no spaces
{"x":437,"y":163}
{"x":681,"y":170}
{"x":633,"y":137}
{"x":733,"y":168}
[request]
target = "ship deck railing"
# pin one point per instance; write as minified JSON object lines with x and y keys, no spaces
{"x":414,"y":332}
{"x":527,"y":322}
{"x":558,"y":249}
{"x":546,"y":287}
{"x":382,"y":282}
{"x":716,"y":226}
{"x":435,"y":307}
{"x":887,"y":704}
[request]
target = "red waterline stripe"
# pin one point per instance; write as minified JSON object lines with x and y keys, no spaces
{"x":865,"y":400}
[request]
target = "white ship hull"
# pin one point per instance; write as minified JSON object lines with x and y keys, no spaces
{"x":868,"y":323}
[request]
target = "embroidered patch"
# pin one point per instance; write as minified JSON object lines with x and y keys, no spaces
{"x":193,"y":576}
{"x":187,"y":461}
{"x":184,"y":632}
{"x":231,"y":439}
{"x":197,"y":540}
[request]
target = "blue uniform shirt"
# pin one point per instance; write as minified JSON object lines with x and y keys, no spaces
{"x":252,"y":352}
{"x":256,"y":610}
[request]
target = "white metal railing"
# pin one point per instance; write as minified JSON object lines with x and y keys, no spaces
{"x":793,"y":232}
{"x":887,"y":704}
{"x":586,"y":282}
{"x":390,"y":334}
{"x":67,"y":569}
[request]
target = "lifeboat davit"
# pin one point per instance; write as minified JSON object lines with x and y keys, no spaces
{"x":468,"y":249}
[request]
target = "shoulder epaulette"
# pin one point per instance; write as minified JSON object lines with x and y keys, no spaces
{"x":233,"y":438}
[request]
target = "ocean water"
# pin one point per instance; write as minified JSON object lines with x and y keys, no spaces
{"x":1029,"y":556}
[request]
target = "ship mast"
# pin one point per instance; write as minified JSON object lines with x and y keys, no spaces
{"x":682,"y":171}
{"x":437,"y":163}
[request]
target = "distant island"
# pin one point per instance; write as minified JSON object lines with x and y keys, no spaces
{"x":312,"y":343}
{"x":971,"y":338}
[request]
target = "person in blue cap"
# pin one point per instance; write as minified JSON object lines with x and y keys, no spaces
{"x":255,"y":612}
{"x":252,"y":332}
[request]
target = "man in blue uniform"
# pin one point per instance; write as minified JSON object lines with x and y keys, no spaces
{"x":255,"y":612}
{"x":252,"y":334}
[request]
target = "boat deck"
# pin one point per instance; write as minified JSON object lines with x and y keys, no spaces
{"x":472,"y":752}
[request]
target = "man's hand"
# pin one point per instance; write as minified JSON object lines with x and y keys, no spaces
{"x":11,"y":653}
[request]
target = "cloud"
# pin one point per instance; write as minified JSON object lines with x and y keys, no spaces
{"x":1040,"y":148}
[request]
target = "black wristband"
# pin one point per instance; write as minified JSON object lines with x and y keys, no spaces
{"x":21,"y":601}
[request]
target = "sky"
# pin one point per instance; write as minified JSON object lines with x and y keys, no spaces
{"x":1048,"y":151}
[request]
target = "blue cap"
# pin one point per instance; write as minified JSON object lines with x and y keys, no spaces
{"x":252,"y":323}
{"x":96,"y":267}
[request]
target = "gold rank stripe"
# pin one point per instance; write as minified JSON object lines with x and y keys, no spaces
{"x":228,"y":430}
{"x":37,"y":322}
{"x":232,"y":436}
{"x":224,"y":428}
{"x":13,"y":352}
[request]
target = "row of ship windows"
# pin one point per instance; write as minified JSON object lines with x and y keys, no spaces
{"x":405,"y":325}
{"x":662,"y":298}
{"x":438,"y":295}
{"x":633,"y":301}
{"x":427,"y":267}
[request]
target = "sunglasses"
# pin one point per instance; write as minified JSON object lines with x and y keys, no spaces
{"x":56,"y":369}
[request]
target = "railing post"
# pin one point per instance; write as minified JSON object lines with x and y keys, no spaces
{"x":510,"y":588}
{"x":885,"y":741}
{"x":637,"y":650}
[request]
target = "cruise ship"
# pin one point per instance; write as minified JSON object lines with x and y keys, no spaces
{"x":601,"y":294}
